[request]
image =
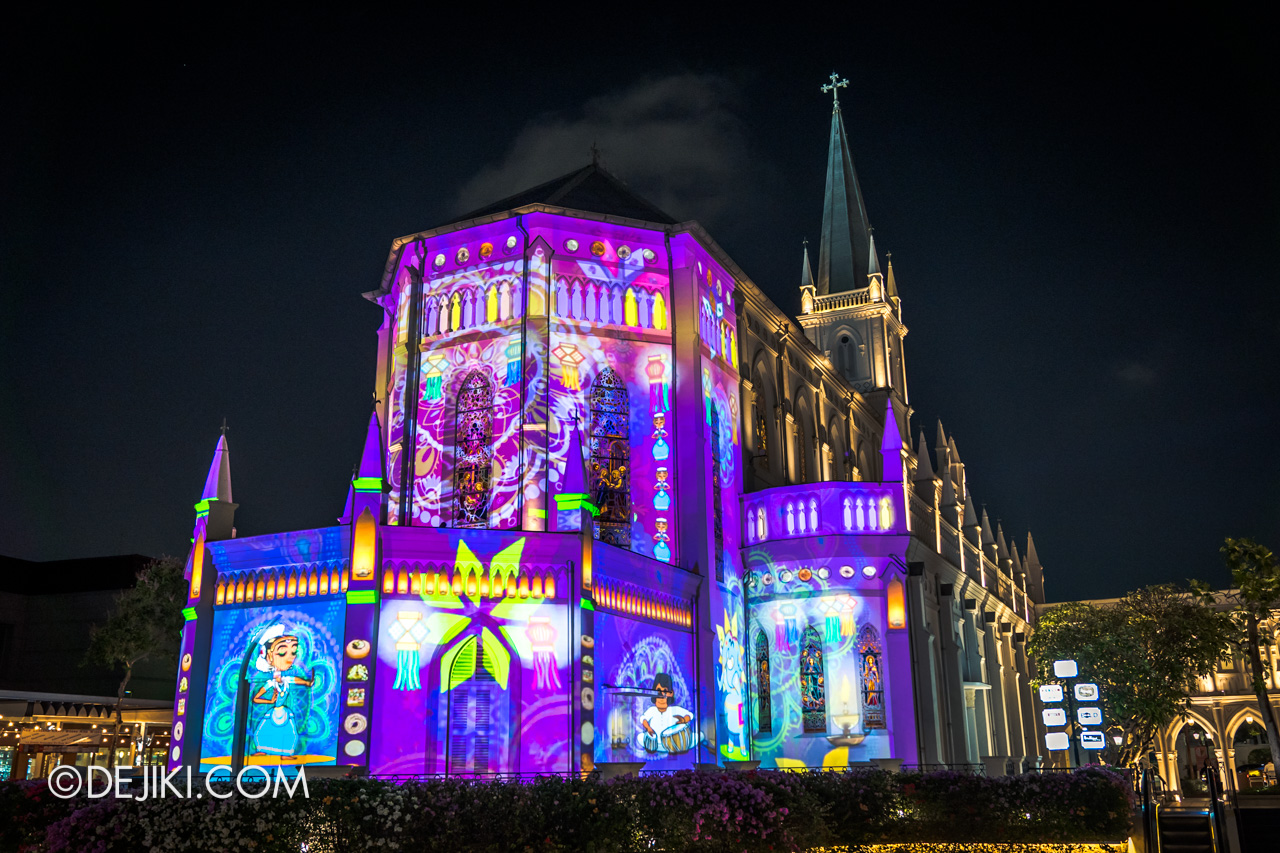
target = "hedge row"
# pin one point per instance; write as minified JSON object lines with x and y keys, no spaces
{"x":686,"y":811}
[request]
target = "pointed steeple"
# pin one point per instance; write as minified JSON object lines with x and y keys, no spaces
{"x":890,"y":285}
{"x":573,"y":494}
{"x":215,"y":499}
{"x":217,"y":486}
{"x":371,"y":460}
{"x":844,"y":251}
{"x":367,"y":491}
{"x":873,"y":263}
{"x":575,"y":470}
{"x":924,"y":468}
{"x":1033,"y":559}
{"x":1002,"y":548}
{"x":941,"y":451}
{"x":987,"y":538}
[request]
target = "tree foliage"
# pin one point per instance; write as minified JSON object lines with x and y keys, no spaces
{"x":145,"y":622}
{"x":1255,"y":578}
{"x":1142,"y":651}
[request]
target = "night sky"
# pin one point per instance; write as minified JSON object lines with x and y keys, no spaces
{"x":1082,"y":213}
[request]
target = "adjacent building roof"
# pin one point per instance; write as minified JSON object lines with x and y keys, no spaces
{"x":590,"y":188}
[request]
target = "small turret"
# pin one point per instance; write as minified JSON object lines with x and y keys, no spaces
{"x":1035,"y":572}
{"x":875,"y":280}
{"x":924,"y":468}
{"x":891,"y":446}
{"x":808,"y":292}
{"x":957,"y":467}
{"x":942,"y":452}
{"x":972,"y":526}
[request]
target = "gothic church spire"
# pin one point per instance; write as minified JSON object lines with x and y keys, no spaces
{"x":844,"y":254}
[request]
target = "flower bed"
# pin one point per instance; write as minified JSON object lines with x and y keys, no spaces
{"x":686,"y":811}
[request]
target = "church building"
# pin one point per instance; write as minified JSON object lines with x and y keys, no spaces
{"x":614,"y":506}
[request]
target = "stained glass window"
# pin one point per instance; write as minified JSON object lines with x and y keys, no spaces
{"x":813,"y":687}
{"x":764,"y":700}
{"x":762,"y":431}
{"x":473,"y":453}
{"x":872,"y":676}
{"x":611,"y":458}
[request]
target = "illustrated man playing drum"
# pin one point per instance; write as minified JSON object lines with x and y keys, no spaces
{"x":666,"y":725}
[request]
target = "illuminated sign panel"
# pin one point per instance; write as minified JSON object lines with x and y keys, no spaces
{"x":1057,"y":740}
{"x":1092,"y":740}
{"x":1065,"y":669}
{"x":1054,"y":717}
{"x":1050,"y":693}
{"x":1086,"y":692}
{"x":1089,"y":716}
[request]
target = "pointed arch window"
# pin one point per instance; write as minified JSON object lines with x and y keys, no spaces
{"x":813,"y":686}
{"x":611,"y":458}
{"x":871,"y":670}
{"x":473,"y":451}
{"x":762,"y":429}
{"x":764,"y":697}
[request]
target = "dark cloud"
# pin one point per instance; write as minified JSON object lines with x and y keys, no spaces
{"x":675,"y":140}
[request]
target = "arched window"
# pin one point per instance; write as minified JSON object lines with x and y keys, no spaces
{"x":764,"y":698}
{"x":871,"y":672}
{"x":848,"y":514}
{"x":791,"y":519}
{"x":846,"y":360}
{"x":611,"y":458}
{"x":813,"y":687}
{"x":762,"y":429}
{"x":813,"y":514}
{"x":473,"y":451}
{"x":762,"y":530}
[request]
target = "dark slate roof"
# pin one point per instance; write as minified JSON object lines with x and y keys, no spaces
{"x":90,"y":574}
{"x":590,"y":189}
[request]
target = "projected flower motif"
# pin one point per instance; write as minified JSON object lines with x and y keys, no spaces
{"x":611,"y":458}
{"x":813,"y":689}
{"x":488,"y":647}
{"x":474,"y":451}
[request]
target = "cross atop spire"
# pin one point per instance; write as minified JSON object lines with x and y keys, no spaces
{"x":224,"y":426}
{"x":834,"y":88}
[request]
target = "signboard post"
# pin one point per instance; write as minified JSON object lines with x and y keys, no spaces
{"x":1081,"y":717}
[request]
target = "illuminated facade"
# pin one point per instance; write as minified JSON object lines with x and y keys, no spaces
{"x":613,"y":507}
